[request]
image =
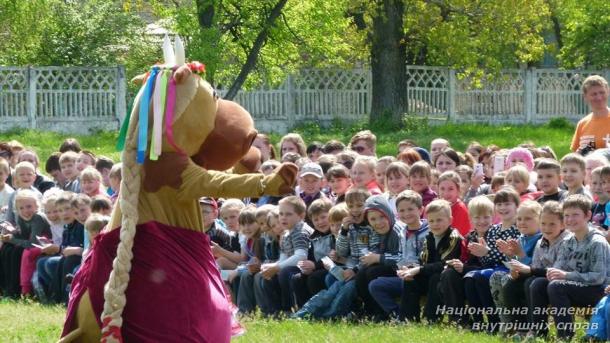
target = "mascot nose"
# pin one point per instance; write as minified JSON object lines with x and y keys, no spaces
{"x":230,"y":140}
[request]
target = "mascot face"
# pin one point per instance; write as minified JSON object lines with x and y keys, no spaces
{"x":215,"y":133}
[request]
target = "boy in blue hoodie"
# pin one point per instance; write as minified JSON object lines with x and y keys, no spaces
{"x":382,"y":263}
{"x":385,"y":290}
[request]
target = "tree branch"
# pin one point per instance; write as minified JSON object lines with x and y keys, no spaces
{"x":252,"y":57}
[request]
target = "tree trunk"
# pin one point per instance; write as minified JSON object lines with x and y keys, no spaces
{"x":388,"y":58}
{"x":256,"y":48}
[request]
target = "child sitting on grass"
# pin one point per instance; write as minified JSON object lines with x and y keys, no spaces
{"x":67,"y":162}
{"x":228,"y":257}
{"x":339,"y":181}
{"x":578,"y":276}
{"x":25,"y":175}
{"x":443,"y":243}
{"x":384,"y":261}
{"x":481,"y":211}
{"x":18,"y":254}
{"x":476,"y":283}
{"x":517,"y":291}
{"x":293,"y":248}
{"x":396,"y":181}
{"x":518,"y":250}
{"x":355,"y":240}
{"x":252,"y":255}
{"x":386,"y":289}
{"x":311,"y":278}
{"x":449,"y":189}
{"x":549,"y":177}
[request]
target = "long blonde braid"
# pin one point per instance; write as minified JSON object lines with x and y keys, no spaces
{"x":114,"y":291}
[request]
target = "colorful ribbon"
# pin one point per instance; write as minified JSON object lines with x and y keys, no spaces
{"x":169,"y":114}
{"x":143,"y":117}
{"x":156,"y":140}
{"x":120,"y":145}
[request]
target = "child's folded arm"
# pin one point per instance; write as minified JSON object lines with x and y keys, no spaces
{"x":390,"y":259}
{"x":24,"y":243}
{"x":342,"y":245}
{"x":432,"y":268}
{"x":437,"y":267}
{"x":299,"y":255}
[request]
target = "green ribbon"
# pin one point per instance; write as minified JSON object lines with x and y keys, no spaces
{"x":163,"y":87}
{"x":120,"y":145}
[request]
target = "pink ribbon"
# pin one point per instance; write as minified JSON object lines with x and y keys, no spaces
{"x":169,"y":115}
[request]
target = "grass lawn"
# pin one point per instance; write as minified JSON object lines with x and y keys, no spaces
{"x":558,"y":135}
{"x":28,"y":321}
{"x":25,"y":321}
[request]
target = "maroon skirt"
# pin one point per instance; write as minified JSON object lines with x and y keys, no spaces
{"x":175,"y":293}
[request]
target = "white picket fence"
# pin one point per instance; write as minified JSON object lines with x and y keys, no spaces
{"x":65,"y":99}
{"x":77,"y":99}
{"x":312,"y":95}
{"x":514,"y":96}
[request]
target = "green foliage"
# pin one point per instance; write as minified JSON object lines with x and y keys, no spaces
{"x":560,"y":123}
{"x":74,"y":33}
{"x":414,"y":123}
{"x":585,"y":33}
{"x":470,"y":34}
{"x":314,"y":33}
{"x":21,"y":26}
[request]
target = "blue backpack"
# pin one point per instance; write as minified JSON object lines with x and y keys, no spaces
{"x":598,"y":322}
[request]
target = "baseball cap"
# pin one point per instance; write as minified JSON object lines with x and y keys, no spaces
{"x":311,"y":169}
{"x":208,"y":201}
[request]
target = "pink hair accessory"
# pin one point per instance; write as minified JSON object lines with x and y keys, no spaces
{"x":521,"y":154}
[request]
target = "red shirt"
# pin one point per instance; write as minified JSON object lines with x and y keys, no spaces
{"x":373,"y":187}
{"x":461,"y":219}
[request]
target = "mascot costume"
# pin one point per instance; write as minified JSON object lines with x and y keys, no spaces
{"x":151,"y":276}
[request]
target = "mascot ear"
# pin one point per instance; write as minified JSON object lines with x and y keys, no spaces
{"x":182,"y":73}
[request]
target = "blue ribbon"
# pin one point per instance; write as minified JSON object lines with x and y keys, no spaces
{"x":143,"y":116}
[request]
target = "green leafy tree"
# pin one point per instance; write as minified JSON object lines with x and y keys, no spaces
{"x":471,"y":35}
{"x":21,"y":25}
{"x":260,"y":41}
{"x":74,"y":33}
{"x":583,"y":30}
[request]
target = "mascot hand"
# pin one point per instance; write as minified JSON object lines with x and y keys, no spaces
{"x":282,"y":181}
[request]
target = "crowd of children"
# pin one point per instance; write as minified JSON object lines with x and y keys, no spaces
{"x":495,"y":240}
{"x":49,"y":224}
